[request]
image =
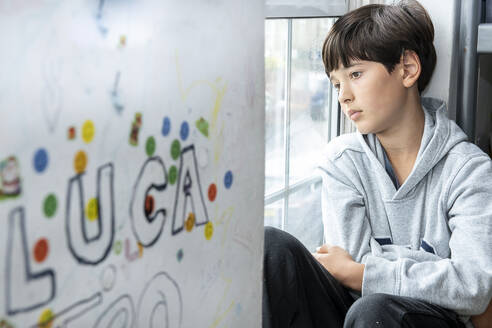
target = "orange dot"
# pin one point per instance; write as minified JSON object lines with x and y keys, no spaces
{"x":140,"y":250}
{"x":41,"y":249}
{"x":212,"y":192}
{"x":190,"y":222}
{"x":80,"y":162}
{"x":149,"y":204}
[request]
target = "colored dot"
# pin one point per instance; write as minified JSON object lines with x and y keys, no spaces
{"x":190,"y":222}
{"x":179,"y":255}
{"x":40,"y":160}
{"x":117,"y":247}
{"x":212,"y":192}
{"x":71,"y":133}
{"x":175,"y":149}
{"x":140,"y":249}
{"x":185,"y":131}
{"x":228,"y":179}
{"x":202,"y":126}
{"x":173,"y":174}
{"x":80,"y":162}
{"x":49,"y":205}
{"x":166,"y":126}
{"x":149,"y":205}
{"x":209,"y":230}
{"x":150,"y":146}
{"x":46,"y":318}
{"x":91,"y":210}
{"x":122,"y":40}
{"x":88,"y":131}
{"x":41,"y":249}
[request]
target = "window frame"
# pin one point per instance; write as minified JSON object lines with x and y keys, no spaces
{"x":334,"y":123}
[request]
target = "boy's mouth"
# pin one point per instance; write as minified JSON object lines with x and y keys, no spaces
{"x":353,"y":114}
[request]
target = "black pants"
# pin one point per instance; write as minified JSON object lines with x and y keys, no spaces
{"x":299,"y":292}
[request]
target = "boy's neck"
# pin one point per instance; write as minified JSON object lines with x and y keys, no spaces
{"x":402,"y":141}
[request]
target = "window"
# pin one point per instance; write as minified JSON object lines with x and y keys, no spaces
{"x":302,"y":115}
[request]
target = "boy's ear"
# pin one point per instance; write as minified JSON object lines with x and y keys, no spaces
{"x":411,"y":68}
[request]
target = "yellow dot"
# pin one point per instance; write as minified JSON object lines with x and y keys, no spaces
{"x":140,"y":250}
{"x":91,"y":210}
{"x":190,"y":222}
{"x":80,"y":161}
{"x":209,"y":230}
{"x":88,"y":131}
{"x":46,"y":319}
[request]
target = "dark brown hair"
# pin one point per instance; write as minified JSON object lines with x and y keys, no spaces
{"x":382,"y":33}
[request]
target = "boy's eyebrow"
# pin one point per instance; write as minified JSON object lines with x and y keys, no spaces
{"x":352,"y":64}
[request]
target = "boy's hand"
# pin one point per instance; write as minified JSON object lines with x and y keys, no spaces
{"x":483,"y":320}
{"x":341,"y":266}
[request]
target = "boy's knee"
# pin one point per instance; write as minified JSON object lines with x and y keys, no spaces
{"x":279,"y":240}
{"x":368,"y":311}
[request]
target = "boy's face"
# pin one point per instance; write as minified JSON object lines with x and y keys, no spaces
{"x":370,"y":96}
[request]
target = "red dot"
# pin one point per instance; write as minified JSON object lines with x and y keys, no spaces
{"x":41,"y":249}
{"x":149,"y":204}
{"x":212,"y":192}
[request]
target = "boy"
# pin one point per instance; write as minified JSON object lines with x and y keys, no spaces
{"x":407,"y":201}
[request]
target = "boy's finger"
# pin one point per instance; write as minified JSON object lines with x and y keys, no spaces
{"x":323,"y":248}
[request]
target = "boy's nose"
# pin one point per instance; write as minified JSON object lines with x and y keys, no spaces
{"x":345,"y":96}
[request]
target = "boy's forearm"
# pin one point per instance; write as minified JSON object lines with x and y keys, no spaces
{"x":355,"y":275}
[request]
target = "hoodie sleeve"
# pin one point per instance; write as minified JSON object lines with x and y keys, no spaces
{"x":344,"y":213}
{"x":463,"y":282}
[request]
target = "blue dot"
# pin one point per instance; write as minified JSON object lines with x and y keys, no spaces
{"x":228,"y":179}
{"x":40,"y":160}
{"x":185,"y":131}
{"x":166,"y":126}
{"x":179,"y":255}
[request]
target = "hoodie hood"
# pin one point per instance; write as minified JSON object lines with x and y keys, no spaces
{"x":440,"y":135}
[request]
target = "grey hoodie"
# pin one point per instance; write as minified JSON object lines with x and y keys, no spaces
{"x":432,"y":238}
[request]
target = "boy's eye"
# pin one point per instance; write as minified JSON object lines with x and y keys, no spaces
{"x":337,"y":86}
{"x":355,"y":75}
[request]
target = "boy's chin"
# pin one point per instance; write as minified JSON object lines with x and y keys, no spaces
{"x":364,"y":130}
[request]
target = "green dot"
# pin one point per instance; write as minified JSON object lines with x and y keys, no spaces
{"x":173,"y":174}
{"x":117,"y":247}
{"x":202,"y":126}
{"x":50,"y":205}
{"x":150,"y":146}
{"x":175,"y":149}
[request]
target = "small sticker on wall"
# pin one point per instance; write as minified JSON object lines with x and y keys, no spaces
{"x":135,"y":129}
{"x":10,"y":181}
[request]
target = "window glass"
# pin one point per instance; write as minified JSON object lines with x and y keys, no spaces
{"x":310,"y":97}
{"x":275,"y":78}
{"x":304,"y":215}
{"x":274,"y":213}
{"x":297,"y":131}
